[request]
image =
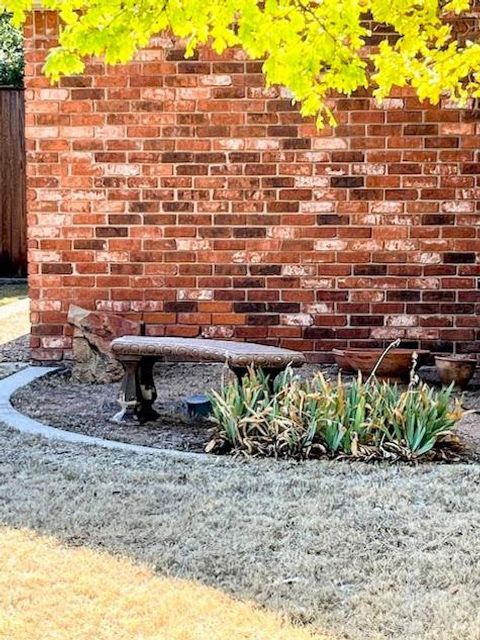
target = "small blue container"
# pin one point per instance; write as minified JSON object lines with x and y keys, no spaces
{"x":198,"y":406}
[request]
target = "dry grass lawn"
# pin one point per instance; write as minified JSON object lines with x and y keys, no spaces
{"x":14,"y":312}
{"x":351,"y":551}
{"x":49,"y":592}
{"x":10,"y":293}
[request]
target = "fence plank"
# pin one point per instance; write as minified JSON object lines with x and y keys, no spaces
{"x":13,"y":243}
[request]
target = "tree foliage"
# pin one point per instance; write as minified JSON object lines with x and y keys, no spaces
{"x":11,"y":53}
{"x":312,"y":47}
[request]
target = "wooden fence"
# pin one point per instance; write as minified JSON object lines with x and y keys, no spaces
{"x":13,"y":242}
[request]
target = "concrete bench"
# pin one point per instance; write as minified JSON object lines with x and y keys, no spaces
{"x":139,"y":353}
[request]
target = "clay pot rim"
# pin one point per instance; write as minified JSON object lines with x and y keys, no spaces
{"x":379,"y":350}
{"x":467,"y":359}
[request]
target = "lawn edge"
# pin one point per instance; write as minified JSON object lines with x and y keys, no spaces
{"x":16,"y":420}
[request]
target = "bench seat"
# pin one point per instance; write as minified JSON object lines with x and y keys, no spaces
{"x":139,"y":353}
{"x":237,"y":354}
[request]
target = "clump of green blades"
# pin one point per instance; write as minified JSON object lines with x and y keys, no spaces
{"x":294,"y":418}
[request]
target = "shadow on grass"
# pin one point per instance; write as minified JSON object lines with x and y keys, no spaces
{"x":51,"y":591}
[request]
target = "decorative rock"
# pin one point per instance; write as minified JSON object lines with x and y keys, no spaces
{"x":457,"y":369}
{"x":93,"y":334}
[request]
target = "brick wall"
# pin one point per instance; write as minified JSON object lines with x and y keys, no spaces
{"x":185,"y":193}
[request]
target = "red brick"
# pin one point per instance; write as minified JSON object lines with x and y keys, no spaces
{"x":186,"y":194}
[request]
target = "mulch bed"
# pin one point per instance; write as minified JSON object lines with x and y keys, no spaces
{"x":87,"y":408}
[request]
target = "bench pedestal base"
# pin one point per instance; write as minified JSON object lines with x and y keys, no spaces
{"x":137,"y":392}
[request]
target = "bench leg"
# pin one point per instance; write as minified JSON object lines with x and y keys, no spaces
{"x":148,"y":392}
{"x":270,"y":371}
{"x":129,"y":398}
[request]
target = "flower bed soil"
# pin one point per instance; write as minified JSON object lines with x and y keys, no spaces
{"x":87,"y":408}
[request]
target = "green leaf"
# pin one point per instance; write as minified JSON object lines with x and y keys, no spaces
{"x":311,"y":48}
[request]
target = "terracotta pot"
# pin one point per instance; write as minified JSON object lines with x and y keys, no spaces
{"x":395,"y":366}
{"x":457,"y":369}
{"x":342,"y":360}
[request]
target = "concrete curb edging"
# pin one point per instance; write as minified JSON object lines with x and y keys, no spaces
{"x":16,"y":420}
